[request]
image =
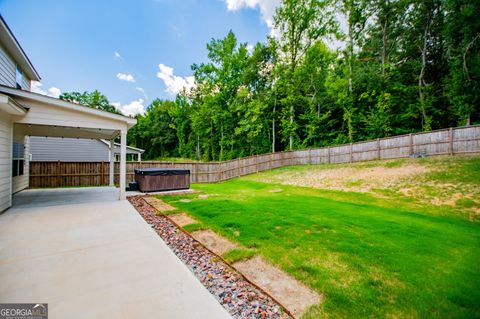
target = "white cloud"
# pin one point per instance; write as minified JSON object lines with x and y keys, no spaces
{"x":52,"y":92}
{"x":117,"y":55}
{"x":141,"y":90}
{"x":174,"y":83}
{"x":267,"y":9}
{"x":125,"y":77}
{"x":131,"y":109}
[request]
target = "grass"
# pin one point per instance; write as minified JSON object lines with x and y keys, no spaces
{"x":369,"y":256}
{"x":194,"y":227}
{"x":238,"y":254}
{"x":448,"y":183}
{"x":176,"y":159}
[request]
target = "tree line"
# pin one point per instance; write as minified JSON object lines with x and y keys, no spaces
{"x":338,"y":72}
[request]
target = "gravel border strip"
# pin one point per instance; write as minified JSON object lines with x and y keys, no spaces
{"x":237,"y":294}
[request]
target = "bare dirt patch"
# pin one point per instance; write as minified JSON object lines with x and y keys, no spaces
{"x":216,"y":243}
{"x":359,"y":179}
{"x":294,"y":295}
{"x":158,"y":204}
{"x":182,"y":219}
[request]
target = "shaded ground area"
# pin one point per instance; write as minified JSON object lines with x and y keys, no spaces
{"x":367,"y":255}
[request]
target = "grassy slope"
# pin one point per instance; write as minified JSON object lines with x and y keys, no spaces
{"x":453,"y":181}
{"x":370,"y":257}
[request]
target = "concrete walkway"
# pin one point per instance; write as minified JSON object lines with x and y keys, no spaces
{"x":89,"y":255}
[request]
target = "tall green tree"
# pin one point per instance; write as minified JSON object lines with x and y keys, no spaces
{"x":300,"y":23}
{"x":404,"y":66}
{"x":93,"y":99}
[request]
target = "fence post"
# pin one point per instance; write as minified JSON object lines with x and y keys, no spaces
{"x":196,"y":173}
{"x":450,"y":142}
{"x":351,"y":155}
{"x":310,"y":156}
{"x":58,"y":173}
{"x":328,"y":154}
{"x":378,"y":148}
{"x":102,"y":173}
{"x":410,"y":143}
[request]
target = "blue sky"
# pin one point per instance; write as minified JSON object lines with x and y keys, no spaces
{"x":117,"y":46}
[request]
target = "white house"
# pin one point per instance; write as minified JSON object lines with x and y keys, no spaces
{"x":24,"y":113}
{"x":46,"y":149}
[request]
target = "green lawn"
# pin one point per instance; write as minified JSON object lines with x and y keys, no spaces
{"x":368,"y":256}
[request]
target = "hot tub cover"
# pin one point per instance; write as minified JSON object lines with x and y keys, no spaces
{"x":161,"y":171}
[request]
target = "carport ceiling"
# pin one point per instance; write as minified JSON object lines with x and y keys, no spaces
{"x":66,"y":131}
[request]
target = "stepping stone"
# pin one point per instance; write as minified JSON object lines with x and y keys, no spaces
{"x":275,"y":190}
{"x":293,"y":294}
{"x":182,"y":219}
{"x":158,"y":204}
{"x":216,"y":243}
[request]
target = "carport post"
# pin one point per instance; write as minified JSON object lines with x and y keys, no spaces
{"x":123,"y":164}
{"x":111,"y":180}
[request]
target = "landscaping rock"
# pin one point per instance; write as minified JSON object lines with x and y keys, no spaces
{"x":238,"y":296}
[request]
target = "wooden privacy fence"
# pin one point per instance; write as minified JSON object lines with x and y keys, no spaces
{"x":453,"y":141}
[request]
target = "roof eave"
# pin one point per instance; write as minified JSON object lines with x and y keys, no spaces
{"x":65,"y":104}
{"x":10,"y":106}
{"x":18,"y":52}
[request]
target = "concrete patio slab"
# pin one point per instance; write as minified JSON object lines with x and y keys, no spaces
{"x":89,"y":255}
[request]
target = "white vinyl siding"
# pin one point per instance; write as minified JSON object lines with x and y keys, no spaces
{"x":68,"y":149}
{"x":71,"y":150}
{"x":25,"y":83}
{"x":5,"y":162}
{"x":7,"y":69}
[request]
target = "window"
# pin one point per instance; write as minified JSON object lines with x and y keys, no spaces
{"x":18,"y":159}
{"x":19,"y":77}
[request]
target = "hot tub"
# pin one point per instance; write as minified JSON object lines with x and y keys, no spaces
{"x":162,"y":179}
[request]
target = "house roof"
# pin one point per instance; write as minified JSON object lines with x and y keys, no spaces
{"x":7,"y":38}
{"x":13,"y":92}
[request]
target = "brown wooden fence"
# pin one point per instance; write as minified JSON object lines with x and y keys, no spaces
{"x":453,"y":141}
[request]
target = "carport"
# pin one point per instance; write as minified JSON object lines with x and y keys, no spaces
{"x":33,"y":114}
